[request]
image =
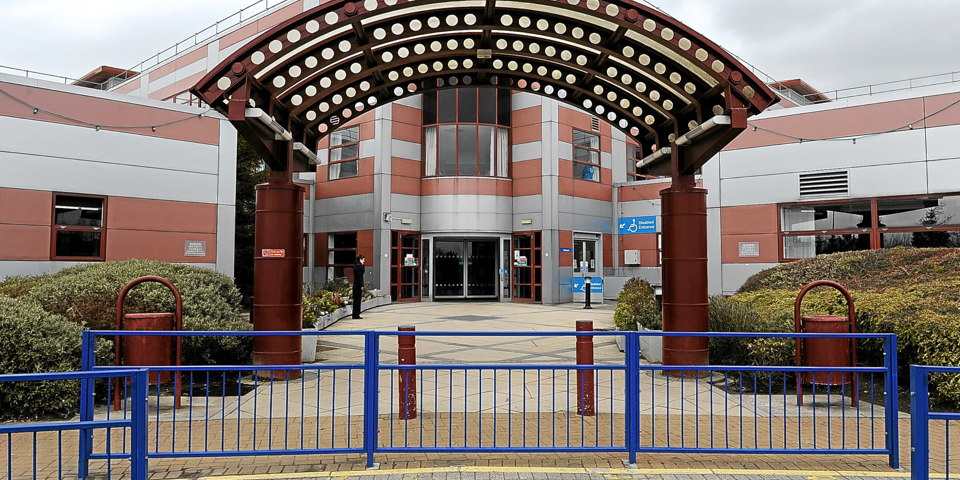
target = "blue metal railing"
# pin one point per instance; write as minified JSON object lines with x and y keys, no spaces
{"x":43,"y":444}
{"x":921,"y":419}
{"x":467,"y":406}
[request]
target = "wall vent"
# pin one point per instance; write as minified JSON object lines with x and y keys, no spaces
{"x":824,"y":183}
{"x":595,"y":124}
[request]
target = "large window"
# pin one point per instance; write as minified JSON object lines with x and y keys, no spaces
{"x":586,"y":156}
{"x":342,"y":253}
{"x":344,"y":153}
{"x":78,"y":230}
{"x":465,"y":132}
{"x":814,"y":229}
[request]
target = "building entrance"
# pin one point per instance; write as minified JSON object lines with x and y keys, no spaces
{"x":465,"y":268}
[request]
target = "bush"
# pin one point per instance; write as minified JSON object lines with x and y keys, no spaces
{"x":34,"y":341}
{"x":318,"y":302}
{"x":87,"y":294}
{"x":19,"y":285}
{"x":636,"y":303}
{"x":732,"y":315}
{"x":914,"y":293}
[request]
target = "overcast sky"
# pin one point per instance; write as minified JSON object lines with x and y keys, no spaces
{"x":830,"y":44}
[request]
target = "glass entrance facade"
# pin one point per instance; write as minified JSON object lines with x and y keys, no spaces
{"x":465,"y":268}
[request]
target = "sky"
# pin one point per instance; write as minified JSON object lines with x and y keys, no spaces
{"x":830,"y":44}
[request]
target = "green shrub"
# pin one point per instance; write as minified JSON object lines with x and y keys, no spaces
{"x":87,"y":294}
{"x":636,"y":303}
{"x":34,"y":341}
{"x":19,"y":285}
{"x":914,"y":293}
{"x":319,"y":302}
{"x":732,"y":315}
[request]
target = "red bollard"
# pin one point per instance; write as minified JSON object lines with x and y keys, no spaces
{"x":407,"y":355}
{"x":586,"y":404}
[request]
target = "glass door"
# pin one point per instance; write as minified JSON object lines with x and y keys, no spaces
{"x":448,"y":268}
{"x":527,"y":267}
{"x":481,"y":268}
{"x":405,"y":266}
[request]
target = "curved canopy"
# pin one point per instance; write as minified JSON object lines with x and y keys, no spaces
{"x":645,"y":73}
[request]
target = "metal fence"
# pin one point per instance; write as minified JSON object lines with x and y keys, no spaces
{"x":363,"y":397}
{"x":49,"y":449}
{"x":926,"y":425}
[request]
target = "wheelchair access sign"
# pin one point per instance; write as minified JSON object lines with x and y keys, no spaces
{"x":629,"y":225}
{"x":596,"y":285}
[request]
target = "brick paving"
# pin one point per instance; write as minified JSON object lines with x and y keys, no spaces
{"x":323,"y":410}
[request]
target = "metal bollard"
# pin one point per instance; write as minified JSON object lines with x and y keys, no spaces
{"x":587,"y":292}
{"x":586,"y":403}
{"x":407,"y":355}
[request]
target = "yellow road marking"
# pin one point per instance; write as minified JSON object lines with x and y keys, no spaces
{"x":607,"y":472}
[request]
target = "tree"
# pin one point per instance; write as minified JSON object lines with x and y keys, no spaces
{"x":251,"y":171}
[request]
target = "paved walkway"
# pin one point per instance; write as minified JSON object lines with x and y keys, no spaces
{"x":508,"y":407}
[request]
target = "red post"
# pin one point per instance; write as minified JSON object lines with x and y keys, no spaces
{"x":407,"y":355}
{"x":684,"y":256}
{"x":278,"y":272}
{"x":586,"y":403}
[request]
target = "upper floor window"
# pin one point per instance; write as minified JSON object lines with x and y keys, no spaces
{"x":344,"y":153}
{"x":586,"y":156}
{"x":466,"y":132}
{"x":78,"y":230}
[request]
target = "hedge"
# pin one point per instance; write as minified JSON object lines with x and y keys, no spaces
{"x":34,"y":341}
{"x":914,"y":293}
{"x":636,"y":304}
{"x":87,"y":295}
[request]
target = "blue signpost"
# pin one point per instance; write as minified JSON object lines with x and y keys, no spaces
{"x":630,"y":225}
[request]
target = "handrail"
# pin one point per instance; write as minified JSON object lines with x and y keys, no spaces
{"x":200,"y":37}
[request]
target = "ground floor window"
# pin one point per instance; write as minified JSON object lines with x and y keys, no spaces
{"x":79,"y":223}
{"x":341,"y":254}
{"x":864,"y":224}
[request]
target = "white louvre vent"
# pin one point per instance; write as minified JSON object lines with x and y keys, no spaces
{"x":595,"y":124}
{"x":824,"y":183}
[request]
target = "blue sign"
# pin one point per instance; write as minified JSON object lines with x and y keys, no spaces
{"x":568,"y":250}
{"x":629,"y":225}
{"x":596,"y":285}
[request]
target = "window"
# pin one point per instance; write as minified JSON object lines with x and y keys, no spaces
{"x":342,"y":253}
{"x":466,"y":132}
{"x":921,"y":222}
{"x":586,"y":156}
{"x":344,"y":153}
{"x":78,"y":231}
{"x":814,"y":229}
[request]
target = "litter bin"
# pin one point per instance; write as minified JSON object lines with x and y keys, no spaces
{"x":825,"y":352}
{"x":149,"y":350}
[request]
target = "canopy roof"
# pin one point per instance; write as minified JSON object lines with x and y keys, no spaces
{"x":645,"y":73}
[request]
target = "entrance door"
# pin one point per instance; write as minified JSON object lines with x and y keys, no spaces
{"x":465,"y":268}
{"x":448,"y":268}
{"x":586,"y":263}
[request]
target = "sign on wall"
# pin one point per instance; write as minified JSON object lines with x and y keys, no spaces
{"x":630,"y":225}
{"x":194,"y":248}
{"x":596,"y":285}
{"x":749,"y":249}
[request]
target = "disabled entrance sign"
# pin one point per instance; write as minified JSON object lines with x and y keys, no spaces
{"x":596,"y":285}
{"x":629,"y":225}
